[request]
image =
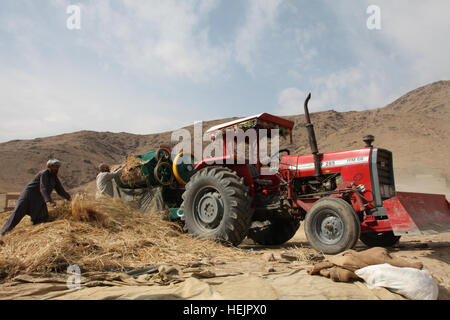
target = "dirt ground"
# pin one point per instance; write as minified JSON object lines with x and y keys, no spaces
{"x":432,"y":250}
{"x":262,"y":273}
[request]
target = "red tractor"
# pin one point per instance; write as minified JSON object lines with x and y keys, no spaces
{"x":341,"y":196}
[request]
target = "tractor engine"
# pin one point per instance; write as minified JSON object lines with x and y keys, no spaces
{"x":367,"y":172}
{"x":310,"y":186}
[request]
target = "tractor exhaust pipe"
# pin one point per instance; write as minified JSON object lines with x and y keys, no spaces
{"x":312,"y":140}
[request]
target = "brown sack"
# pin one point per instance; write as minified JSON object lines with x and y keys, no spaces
{"x":325,"y":272}
{"x":318,"y":267}
{"x":341,"y":267}
{"x":353,"y":260}
{"x":339,"y":274}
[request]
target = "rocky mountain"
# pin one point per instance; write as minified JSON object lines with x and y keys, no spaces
{"x":415,"y":127}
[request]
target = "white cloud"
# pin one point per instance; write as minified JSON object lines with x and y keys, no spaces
{"x":420,"y":30}
{"x":291,"y":101}
{"x":410,"y":50}
{"x":163,"y":42}
{"x":349,"y":89}
{"x":260,"y":16}
{"x":37,"y":105}
{"x":327,"y":92}
{"x":331,"y":88}
{"x":162,"y":38}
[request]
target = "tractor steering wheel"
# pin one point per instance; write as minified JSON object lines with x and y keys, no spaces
{"x":278,"y":153}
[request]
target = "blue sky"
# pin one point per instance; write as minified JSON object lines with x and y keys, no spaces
{"x":144,"y":66}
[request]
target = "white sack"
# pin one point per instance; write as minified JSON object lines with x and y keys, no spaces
{"x":412,"y":283}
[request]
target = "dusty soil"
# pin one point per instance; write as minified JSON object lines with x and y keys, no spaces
{"x":432,"y":250}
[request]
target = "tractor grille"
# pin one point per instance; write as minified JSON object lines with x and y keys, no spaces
{"x":383,"y":184}
{"x":384,"y":166}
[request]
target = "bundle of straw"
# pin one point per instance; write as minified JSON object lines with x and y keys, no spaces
{"x":131,"y":173}
{"x":100,"y":235}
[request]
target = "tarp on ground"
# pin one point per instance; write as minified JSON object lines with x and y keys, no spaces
{"x":171,"y":283}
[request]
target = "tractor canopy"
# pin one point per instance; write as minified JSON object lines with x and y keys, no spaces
{"x":259,"y":121}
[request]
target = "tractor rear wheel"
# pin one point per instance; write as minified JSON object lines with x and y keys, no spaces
{"x":216,"y":205}
{"x":380,"y":239}
{"x":274,"y":230}
{"x":332,"y":226}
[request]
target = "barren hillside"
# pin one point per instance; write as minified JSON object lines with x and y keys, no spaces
{"x":416,"y":127}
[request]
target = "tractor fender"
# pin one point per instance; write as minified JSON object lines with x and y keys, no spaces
{"x":242,"y":170}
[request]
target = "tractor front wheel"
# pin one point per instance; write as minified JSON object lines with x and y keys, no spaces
{"x":216,"y":205}
{"x":332,"y":226}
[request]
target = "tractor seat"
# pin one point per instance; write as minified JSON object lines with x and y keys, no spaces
{"x":256,"y":177}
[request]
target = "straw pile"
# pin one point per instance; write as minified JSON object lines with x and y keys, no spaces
{"x":100,"y":235}
{"x":131,"y":173}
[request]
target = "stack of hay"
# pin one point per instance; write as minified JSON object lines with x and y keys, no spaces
{"x":100,"y":235}
{"x":131,"y":173}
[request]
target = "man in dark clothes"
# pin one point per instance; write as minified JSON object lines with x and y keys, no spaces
{"x":34,"y":198}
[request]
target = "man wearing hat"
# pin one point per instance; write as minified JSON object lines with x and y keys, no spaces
{"x":104,"y":180}
{"x":36,"y":195}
